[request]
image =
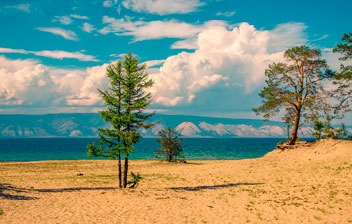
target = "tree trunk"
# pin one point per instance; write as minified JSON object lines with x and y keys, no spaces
{"x":295,"y":126}
{"x":125,"y":171}
{"x":120,"y":171}
{"x":169,"y":157}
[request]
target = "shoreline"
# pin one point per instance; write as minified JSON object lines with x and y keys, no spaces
{"x":156,"y":160}
{"x":304,"y":185}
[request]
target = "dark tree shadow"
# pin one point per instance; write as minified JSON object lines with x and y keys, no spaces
{"x":71,"y":189}
{"x":193,"y":163}
{"x":198,"y":188}
{"x":187,"y":162}
{"x":14,"y":193}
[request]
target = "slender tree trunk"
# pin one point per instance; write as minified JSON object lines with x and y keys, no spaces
{"x":120,"y":171}
{"x":118,"y":138}
{"x":169,"y":158}
{"x":295,"y":126}
{"x":125,"y":171}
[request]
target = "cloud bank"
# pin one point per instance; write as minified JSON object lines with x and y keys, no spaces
{"x":226,"y":63}
{"x":225,"y":59}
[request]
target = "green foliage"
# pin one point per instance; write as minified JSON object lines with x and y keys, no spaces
{"x":135,"y":180}
{"x":125,"y":101}
{"x":171,"y":145}
{"x":1,"y":212}
{"x":297,"y":86}
{"x":318,"y":128}
{"x":344,"y":77}
{"x":324,"y":130}
{"x":345,"y":48}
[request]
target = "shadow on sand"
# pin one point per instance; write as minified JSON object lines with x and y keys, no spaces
{"x":15,"y":193}
{"x":71,"y":189}
{"x":198,"y":188}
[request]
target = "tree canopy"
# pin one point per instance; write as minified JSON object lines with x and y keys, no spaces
{"x":344,"y":76}
{"x":171,"y":145}
{"x":298,"y":85}
{"x":125,"y":100}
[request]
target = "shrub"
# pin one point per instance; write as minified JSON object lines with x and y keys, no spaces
{"x":171,"y":145}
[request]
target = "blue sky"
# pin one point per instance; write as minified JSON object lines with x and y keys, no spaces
{"x":206,"y":57}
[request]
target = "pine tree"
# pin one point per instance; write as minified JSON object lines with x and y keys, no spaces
{"x":125,"y":102}
{"x":135,"y":101}
{"x":297,"y":85}
{"x":171,"y":145}
{"x":110,"y":141}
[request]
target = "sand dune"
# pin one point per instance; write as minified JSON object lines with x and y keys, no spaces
{"x":308,"y":184}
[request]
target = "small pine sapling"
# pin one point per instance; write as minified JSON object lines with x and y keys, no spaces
{"x":135,"y":180}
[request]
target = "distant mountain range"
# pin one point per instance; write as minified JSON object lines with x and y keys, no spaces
{"x":86,"y":124}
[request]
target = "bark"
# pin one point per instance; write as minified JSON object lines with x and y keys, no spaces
{"x":169,"y":158}
{"x":120,"y":176}
{"x":118,"y":138}
{"x":294,"y":132}
{"x":125,"y":171}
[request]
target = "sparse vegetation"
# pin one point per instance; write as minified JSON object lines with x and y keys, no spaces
{"x":171,"y":145}
{"x":324,"y":130}
{"x":135,"y":180}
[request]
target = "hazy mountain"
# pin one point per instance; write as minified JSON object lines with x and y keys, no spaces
{"x":85,"y":125}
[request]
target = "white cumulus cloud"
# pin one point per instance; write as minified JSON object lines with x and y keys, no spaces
{"x":30,"y":83}
{"x":25,"y":82}
{"x":87,"y":94}
{"x":227,"y":62}
{"x":153,"y":63}
{"x":230,"y":59}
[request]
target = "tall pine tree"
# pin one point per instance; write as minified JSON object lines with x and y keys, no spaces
{"x":298,"y":86}
{"x":125,"y":102}
{"x":134,"y":100}
{"x":110,"y":141}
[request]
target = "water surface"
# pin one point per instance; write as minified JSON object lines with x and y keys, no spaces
{"x":38,"y":149}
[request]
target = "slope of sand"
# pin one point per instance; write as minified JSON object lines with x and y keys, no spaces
{"x":304,"y":185}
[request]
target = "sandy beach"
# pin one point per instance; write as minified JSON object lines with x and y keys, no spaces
{"x":309,"y":184}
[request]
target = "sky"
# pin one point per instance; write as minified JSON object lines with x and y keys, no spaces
{"x":206,"y":57}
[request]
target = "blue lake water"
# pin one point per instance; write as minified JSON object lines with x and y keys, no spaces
{"x":37,"y":149}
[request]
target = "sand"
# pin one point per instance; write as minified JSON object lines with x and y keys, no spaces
{"x":309,"y":184}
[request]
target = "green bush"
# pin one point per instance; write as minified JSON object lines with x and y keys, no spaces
{"x":171,"y":145}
